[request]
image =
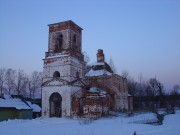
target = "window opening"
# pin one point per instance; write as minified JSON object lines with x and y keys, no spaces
{"x":56,"y":74}
{"x":77,"y":74}
{"x":59,"y":43}
{"x":74,"y":42}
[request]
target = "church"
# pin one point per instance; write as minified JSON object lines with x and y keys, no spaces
{"x":67,"y":89}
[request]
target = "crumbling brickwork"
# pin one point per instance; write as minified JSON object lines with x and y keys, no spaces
{"x":90,"y":104}
{"x":116,"y":86}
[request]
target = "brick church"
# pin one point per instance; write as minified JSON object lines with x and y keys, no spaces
{"x":68,"y":90}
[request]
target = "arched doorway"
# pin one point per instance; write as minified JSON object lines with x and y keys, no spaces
{"x":55,"y":105}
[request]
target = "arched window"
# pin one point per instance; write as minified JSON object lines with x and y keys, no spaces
{"x":81,"y":105}
{"x":74,"y":41}
{"x":77,"y":74}
{"x":56,"y":74}
{"x":59,"y":43}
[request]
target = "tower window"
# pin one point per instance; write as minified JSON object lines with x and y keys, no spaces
{"x":59,"y":43}
{"x":77,"y":74}
{"x":56,"y":74}
{"x":74,"y":42}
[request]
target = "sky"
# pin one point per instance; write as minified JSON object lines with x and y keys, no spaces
{"x":142,"y":37}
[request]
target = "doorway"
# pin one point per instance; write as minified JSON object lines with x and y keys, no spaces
{"x":55,"y":105}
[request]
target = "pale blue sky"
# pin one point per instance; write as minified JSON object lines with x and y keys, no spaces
{"x":141,"y":36}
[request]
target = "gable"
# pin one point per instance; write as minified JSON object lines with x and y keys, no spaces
{"x":78,"y":82}
{"x":99,"y":69}
{"x":55,"y":82}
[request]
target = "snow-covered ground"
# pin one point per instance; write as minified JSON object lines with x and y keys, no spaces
{"x":120,"y":125}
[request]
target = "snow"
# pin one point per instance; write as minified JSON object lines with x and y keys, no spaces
{"x":17,"y":103}
{"x":10,"y":102}
{"x":57,"y":56}
{"x":35,"y":107}
{"x":99,"y":63}
{"x":97,"y":90}
{"x":6,"y":96}
{"x":144,"y":118}
{"x":75,"y":60}
{"x":121,"y":125}
{"x":98,"y":72}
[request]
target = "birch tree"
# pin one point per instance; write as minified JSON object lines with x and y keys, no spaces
{"x":21,"y":83}
{"x":10,"y":80}
{"x":2,"y":79}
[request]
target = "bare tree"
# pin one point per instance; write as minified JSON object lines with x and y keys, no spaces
{"x":87,"y":60}
{"x":133,"y":87}
{"x":175,"y":90}
{"x":132,"y":84}
{"x":40,"y":81}
{"x":35,"y":83}
{"x":175,"y":95}
{"x":34,"y":80}
{"x":21,"y":83}
{"x":10,"y":80}
{"x":125,"y":74}
{"x":29,"y":87}
{"x":155,"y":88}
{"x":86,"y":57}
{"x":24,"y":87}
{"x":152,"y":89}
{"x":111,"y":64}
{"x":2,"y":79}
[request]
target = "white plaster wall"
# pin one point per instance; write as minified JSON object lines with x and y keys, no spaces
{"x":64,"y":91}
{"x":74,"y":89}
{"x":67,"y":67}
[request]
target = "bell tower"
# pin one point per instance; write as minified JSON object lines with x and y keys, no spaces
{"x":63,"y":65}
{"x":64,"y":56}
{"x":65,"y":37}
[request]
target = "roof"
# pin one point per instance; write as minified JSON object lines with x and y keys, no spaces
{"x":9,"y":102}
{"x":95,"y":90}
{"x":17,"y":103}
{"x":35,"y":107}
{"x":68,"y":21}
{"x":100,"y":68}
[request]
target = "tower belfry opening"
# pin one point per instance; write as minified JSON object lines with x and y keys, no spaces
{"x":74,"y":42}
{"x":59,"y":43}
